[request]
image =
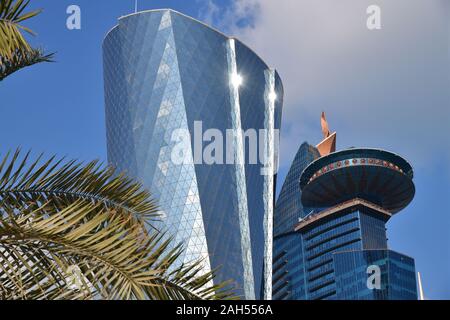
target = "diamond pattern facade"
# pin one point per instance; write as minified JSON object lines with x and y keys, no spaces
{"x":164,"y":72}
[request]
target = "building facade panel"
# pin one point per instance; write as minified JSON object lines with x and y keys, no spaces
{"x":397,"y":275}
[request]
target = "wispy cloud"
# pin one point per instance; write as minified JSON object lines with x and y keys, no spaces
{"x":238,"y":15}
{"x":387,"y":88}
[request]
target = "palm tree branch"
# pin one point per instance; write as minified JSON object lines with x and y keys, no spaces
{"x":22,"y":59}
{"x":11,"y":39}
{"x":55,"y":214}
{"x":111,"y":257}
{"x":71,"y":181}
{"x":15,"y":51}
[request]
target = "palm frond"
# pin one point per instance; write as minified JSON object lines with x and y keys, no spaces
{"x":59,"y":217}
{"x":15,"y":51}
{"x":61,"y":183}
{"x":21,"y":60}
{"x":11,"y":38}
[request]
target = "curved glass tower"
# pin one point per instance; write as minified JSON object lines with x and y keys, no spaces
{"x":167,"y":73}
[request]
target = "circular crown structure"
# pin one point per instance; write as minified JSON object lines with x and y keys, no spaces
{"x":378,"y":176}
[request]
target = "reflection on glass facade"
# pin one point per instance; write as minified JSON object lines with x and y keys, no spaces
{"x":164,"y":71}
{"x":339,"y":244}
{"x":397,"y":275}
{"x":288,"y":267}
{"x":353,"y":229}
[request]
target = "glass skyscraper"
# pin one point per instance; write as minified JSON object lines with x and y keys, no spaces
{"x":287,"y":244}
{"x":166,"y":72}
{"x":338,"y":249}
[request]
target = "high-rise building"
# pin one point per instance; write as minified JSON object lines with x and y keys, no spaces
{"x":338,"y":249}
{"x":167,"y":73}
{"x":288,"y":274}
{"x":287,"y":250}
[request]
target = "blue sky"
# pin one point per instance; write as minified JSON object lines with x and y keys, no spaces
{"x":388,"y":89}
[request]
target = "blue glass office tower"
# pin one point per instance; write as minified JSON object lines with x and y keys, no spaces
{"x":287,"y":249}
{"x":163,"y":72}
{"x":338,"y":249}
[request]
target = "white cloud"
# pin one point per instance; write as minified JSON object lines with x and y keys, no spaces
{"x":387,"y":88}
{"x":209,"y":11}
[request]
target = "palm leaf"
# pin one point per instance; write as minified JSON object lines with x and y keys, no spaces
{"x":15,"y":51}
{"x":59,"y":216}
{"x":21,"y":60}
{"x":60,"y":183}
{"x":11,"y":38}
